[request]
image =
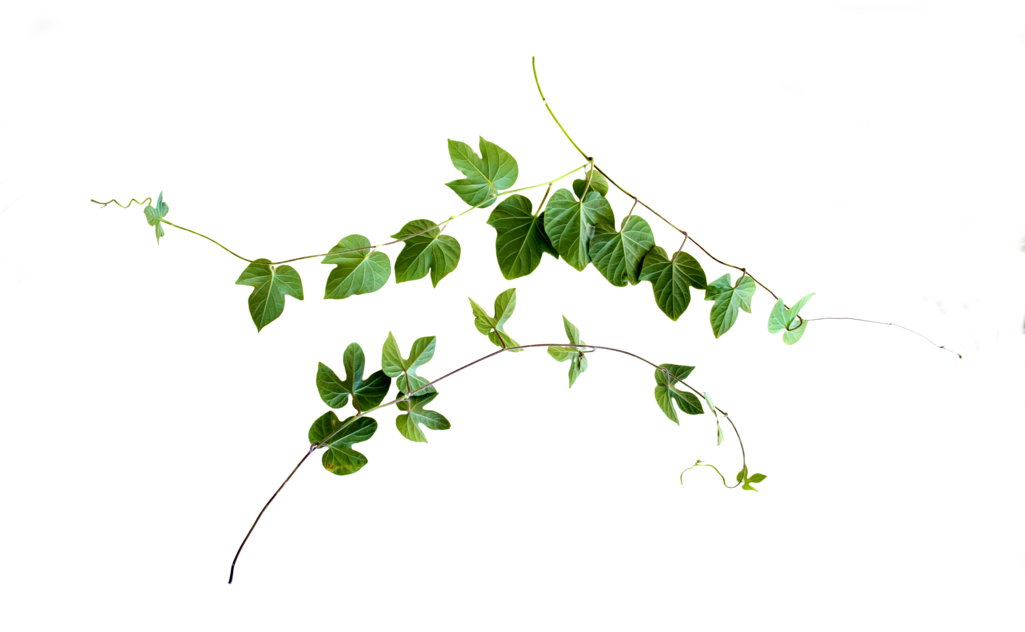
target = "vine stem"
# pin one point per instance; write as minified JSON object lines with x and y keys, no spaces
{"x":231,"y":576}
{"x":877,"y":322}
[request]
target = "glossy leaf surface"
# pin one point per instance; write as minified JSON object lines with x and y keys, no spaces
{"x":270,"y":285}
{"x":577,"y":358}
{"x":358,"y":268}
{"x":671,"y":279}
{"x":425,"y":249}
{"x":493,"y":171}
{"x":520,"y":238}
{"x":366,"y":394}
{"x":729,"y":300}
{"x":338,"y":436}
{"x":494,"y":326}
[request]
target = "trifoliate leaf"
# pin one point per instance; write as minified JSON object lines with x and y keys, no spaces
{"x":425,"y":249}
{"x":339,"y":457}
{"x":270,"y":285}
{"x":154,"y":215}
{"x":754,"y":478}
{"x":366,"y":394}
{"x":404,"y":370}
{"x":359,"y":269}
{"x":494,"y":326}
{"x":783,"y":319}
{"x":493,"y":171}
{"x":666,"y":394}
{"x":598,"y":183}
{"x":520,"y":240}
{"x":570,"y":224}
{"x":671,"y":279}
{"x":409,"y":424}
{"x":578,"y":361}
{"x":729,"y":300}
{"x":618,"y":256}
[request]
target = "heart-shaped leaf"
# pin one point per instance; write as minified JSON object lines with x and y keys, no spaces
{"x":366,"y":394}
{"x":570,"y":224}
{"x":598,"y":183}
{"x":666,"y":392}
{"x":403,"y":369}
{"x":494,"y":326}
{"x":409,"y":424}
{"x":520,"y":238}
{"x":425,"y":249}
{"x":270,"y":285}
{"x":358,"y":268}
{"x":618,"y":256}
{"x":671,"y":279}
{"x":493,"y":171}
{"x":336,"y":439}
{"x":729,"y":300}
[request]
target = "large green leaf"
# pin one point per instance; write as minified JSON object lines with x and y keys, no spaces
{"x":425,"y":249}
{"x":520,"y":238}
{"x":570,"y":224}
{"x":366,"y":394}
{"x":618,"y":256}
{"x":598,"y":183}
{"x":493,"y":171}
{"x":729,"y":300}
{"x":358,"y":268}
{"x":337,"y":438}
{"x":494,"y":326}
{"x":671,"y":279}
{"x":781,"y":319}
{"x":404,"y":369}
{"x":409,"y":424}
{"x":666,"y":393}
{"x":270,"y":285}
{"x":577,"y":357}
{"x":154,"y":215}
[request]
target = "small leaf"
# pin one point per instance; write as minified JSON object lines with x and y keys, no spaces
{"x":270,"y":285}
{"x":778,"y":317}
{"x":520,"y":238}
{"x":666,"y":393}
{"x":748,"y":487}
{"x":742,"y":474}
{"x":729,"y":300}
{"x":493,"y":171}
{"x":718,"y":426}
{"x":598,"y":183}
{"x":404,"y":370}
{"x":570,"y":224}
{"x":425,"y":249}
{"x":718,"y":430}
{"x":618,"y":256}
{"x":792,"y":335}
{"x":359,"y":269}
{"x":757,"y":478}
{"x":366,"y":394}
{"x":339,"y":457}
{"x":155,"y":214}
{"x":409,"y":424}
{"x":578,"y":361}
{"x":494,"y":327}
{"x":671,"y":280}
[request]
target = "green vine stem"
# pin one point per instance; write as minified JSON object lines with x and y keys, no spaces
{"x":583,"y":348}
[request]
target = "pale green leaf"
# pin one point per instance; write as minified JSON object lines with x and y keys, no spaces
{"x":729,"y":300}
{"x":671,"y":279}
{"x":757,"y":478}
{"x":494,"y":326}
{"x":154,"y":215}
{"x":666,"y":392}
{"x":425,"y":248}
{"x":520,"y":238}
{"x":493,"y":171}
{"x":598,"y":183}
{"x":358,"y":268}
{"x":578,"y":361}
{"x":270,"y":285}
{"x":337,"y":438}
{"x":618,"y":256}
{"x":409,"y":424}
{"x":404,"y":369}
{"x":792,"y":336}
{"x":366,"y":394}
{"x":570,"y":224}
{"x":778,"y":317}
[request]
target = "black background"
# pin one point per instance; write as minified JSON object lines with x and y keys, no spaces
{"x":281,"y":151}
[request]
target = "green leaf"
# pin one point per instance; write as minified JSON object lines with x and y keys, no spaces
{"x":666,"y":393}
{"x":494,"y":326}
{"x":718,"y":426}
{"x":618,"y":256}
{"x":520,"y":240}
{"x":409,"y":424}
{"x":339,"y":457}
{"x":425,"y":249}
{"x":598,"y":183}
{"x":729,"y":300}
{"x":155,"y":214}
{"x":570,"y":224}
{"x":366,"y":394}
{"x":493,"y":171}
{"x":754,"y":478}
{"x":671,"y":279}
{"x":270,"y":285}
{"x":358,"y":270}
{"x":578,"y":361}
{"x":404,"y":370}
{"x":782,"y":319}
